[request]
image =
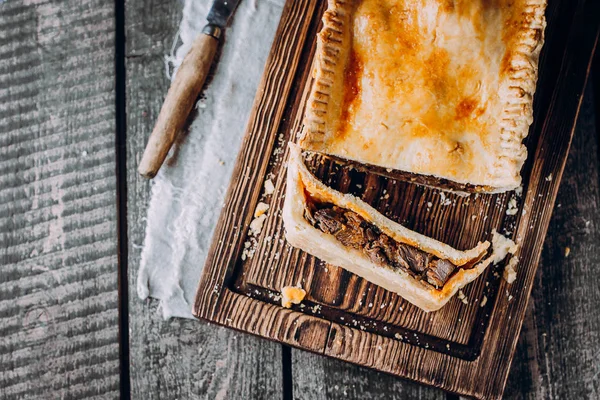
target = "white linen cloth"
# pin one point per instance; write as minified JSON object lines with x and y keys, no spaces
{"x":187,"y":194}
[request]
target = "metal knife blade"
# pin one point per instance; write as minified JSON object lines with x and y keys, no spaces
{"x":221,"y":11}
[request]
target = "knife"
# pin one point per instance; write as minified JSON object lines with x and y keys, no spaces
{"x":185,"y":88}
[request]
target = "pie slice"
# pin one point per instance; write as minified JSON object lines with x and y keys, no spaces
{"x":343,"y":230}
{"x":439,"y":88}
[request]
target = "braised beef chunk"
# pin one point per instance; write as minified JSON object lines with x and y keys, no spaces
{"x":376,"y":253}
{"x":309,"y":212}
{"x":417,"y":259}
{"x":352,"y":237}
{"x":329,"y":220}
{"x":353,"y":231}
{"x":371,"y":234}
{"x":353,"y":234}
{"x":390,"y":248}
{"x":439,"y":271}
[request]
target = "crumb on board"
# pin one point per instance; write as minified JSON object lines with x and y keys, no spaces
{"x":512,"y":207}
{"x":249,"y":248}
{"x":519,"y":191}
{"x":444,"y":200}
{"x":308,"y":156}
{"x":257,"y":224}
{"x":292,"y":295}
{"x":462,"y":297}
{"x":269,"y":187}
{"x":549,"y":178}
{"x":567,"y":251}
{"x":261,"y":208}
{"x":510,"y":273}
{"x":501,"y":246}
{"x":483,"y":301}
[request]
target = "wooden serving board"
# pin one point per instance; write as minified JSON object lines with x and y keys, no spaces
{"x":467,"y":346}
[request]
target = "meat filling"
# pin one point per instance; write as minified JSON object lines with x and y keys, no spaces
{"x":353,"y":231}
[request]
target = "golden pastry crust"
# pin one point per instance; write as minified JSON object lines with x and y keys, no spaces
{"x":433,"y":87}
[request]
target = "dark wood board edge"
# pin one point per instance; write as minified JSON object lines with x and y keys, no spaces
{"x":249,"y":170}
{"x":583,"y":38}
{"x":272,"y":322}
{"x":468,"y":352}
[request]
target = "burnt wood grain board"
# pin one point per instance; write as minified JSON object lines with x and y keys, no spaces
{"x":58,"y":243}
{"x":177,"y":358}
{"x":482,"y":339}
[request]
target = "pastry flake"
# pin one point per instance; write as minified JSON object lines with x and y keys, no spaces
{"x":292,"y":295}
{"x":432,"y":87}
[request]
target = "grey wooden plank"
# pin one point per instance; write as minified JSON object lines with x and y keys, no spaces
{"x":58,"y":243}
{"x":318,"y":378}
{"x":558,"y":355}
{"x":177,"y":358}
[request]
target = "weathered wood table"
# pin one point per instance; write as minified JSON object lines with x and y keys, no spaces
{"x":81,"y":84}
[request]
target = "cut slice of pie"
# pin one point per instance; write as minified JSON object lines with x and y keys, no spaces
{"x":343,"y":230}
{"x":433,"y":87}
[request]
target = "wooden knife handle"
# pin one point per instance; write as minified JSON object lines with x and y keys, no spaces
{"x":180,"y":99}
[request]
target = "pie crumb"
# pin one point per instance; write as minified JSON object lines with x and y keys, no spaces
{"x":512,"y":207}
{"x":269,"y":187}
{"x":292,"y":295}
{"x":510,"y":274}
{"x":483,"y":301}
{"x":444,"y":200}
{"x":519,"y":191}
{"x":501,"y":246}
{"x":261,"y":208}
{"x":249,"y":249}
{"x":567,"y":251}
{"x":257,"y":224}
